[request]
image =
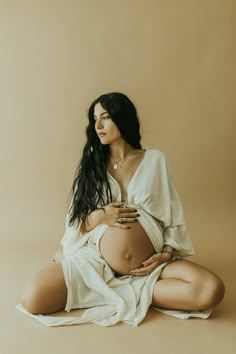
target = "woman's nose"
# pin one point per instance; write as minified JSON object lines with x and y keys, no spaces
{"x":99,"y":124}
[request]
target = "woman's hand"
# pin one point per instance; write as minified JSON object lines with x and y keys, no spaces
{"x":116,"y":214}
{"x":150,"y":264}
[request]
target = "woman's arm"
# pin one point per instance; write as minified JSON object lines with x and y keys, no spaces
{"x":175,"y":230}
{"x":93,"y":219}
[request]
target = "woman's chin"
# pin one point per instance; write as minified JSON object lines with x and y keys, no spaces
{"x":105,"y":141}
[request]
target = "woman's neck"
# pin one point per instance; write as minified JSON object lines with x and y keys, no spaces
{"x":119,"y":151}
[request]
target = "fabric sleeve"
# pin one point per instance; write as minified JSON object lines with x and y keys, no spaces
{"x":73,"y":237}
{"x":175,"y":231}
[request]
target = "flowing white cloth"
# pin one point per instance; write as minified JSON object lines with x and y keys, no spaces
{"x":92,"y":284}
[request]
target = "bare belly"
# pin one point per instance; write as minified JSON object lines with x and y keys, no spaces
{"x":125,"y":249}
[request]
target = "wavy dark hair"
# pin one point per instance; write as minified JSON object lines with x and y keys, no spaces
{"x":91,"y":187}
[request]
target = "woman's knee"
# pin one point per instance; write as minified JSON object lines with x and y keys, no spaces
{"x":206,"y":289}
{"x":46,"y":292}
{"x":211,"y":293}
{"x":32,"y":297}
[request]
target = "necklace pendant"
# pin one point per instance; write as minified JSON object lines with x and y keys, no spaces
{"x":115,"y":167}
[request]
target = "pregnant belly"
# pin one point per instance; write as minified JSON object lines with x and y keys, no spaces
{"x":125,"y":249}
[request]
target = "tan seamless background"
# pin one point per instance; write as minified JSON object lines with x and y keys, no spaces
{"x":174,"y":59}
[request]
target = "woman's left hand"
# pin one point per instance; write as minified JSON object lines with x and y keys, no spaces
{"x":150,"y":264}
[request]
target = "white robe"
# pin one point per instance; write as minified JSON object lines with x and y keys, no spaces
{"x":92,"y":284}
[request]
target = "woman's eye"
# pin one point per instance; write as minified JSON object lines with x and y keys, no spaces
{"x":103,"y":117}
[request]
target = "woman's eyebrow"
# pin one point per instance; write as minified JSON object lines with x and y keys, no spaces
{"x":101,"y":114}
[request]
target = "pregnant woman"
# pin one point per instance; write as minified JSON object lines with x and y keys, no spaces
{"x":126,"y":237}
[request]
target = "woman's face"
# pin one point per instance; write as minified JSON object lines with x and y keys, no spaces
{"x":105,"y":128}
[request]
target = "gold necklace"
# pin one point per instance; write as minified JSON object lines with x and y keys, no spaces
{"x":116,"y":166}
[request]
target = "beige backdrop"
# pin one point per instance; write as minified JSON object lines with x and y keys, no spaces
{"x":174,"y":59}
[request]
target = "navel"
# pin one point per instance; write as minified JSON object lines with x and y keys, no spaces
{"x":128,"y":256}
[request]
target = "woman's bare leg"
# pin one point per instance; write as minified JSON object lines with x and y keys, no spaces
{"x":46,"y":292}
{"x":185,"y":285}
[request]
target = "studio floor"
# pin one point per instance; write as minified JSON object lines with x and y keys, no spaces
{"x":158,"y":333}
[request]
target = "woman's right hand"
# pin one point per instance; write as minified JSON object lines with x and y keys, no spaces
{"x":117,"y":214}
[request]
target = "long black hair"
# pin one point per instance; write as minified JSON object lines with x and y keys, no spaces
{"x":91,"y":187}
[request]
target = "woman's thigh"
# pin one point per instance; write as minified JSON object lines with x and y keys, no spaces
{"x":186,"y":270}
{"x":46,"y":292}
{"x":187,"y":285}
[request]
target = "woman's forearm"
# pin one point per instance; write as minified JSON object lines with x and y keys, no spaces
{"x":93,"y":219}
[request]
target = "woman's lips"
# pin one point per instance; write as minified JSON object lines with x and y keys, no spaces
{"x":101,"y":134}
